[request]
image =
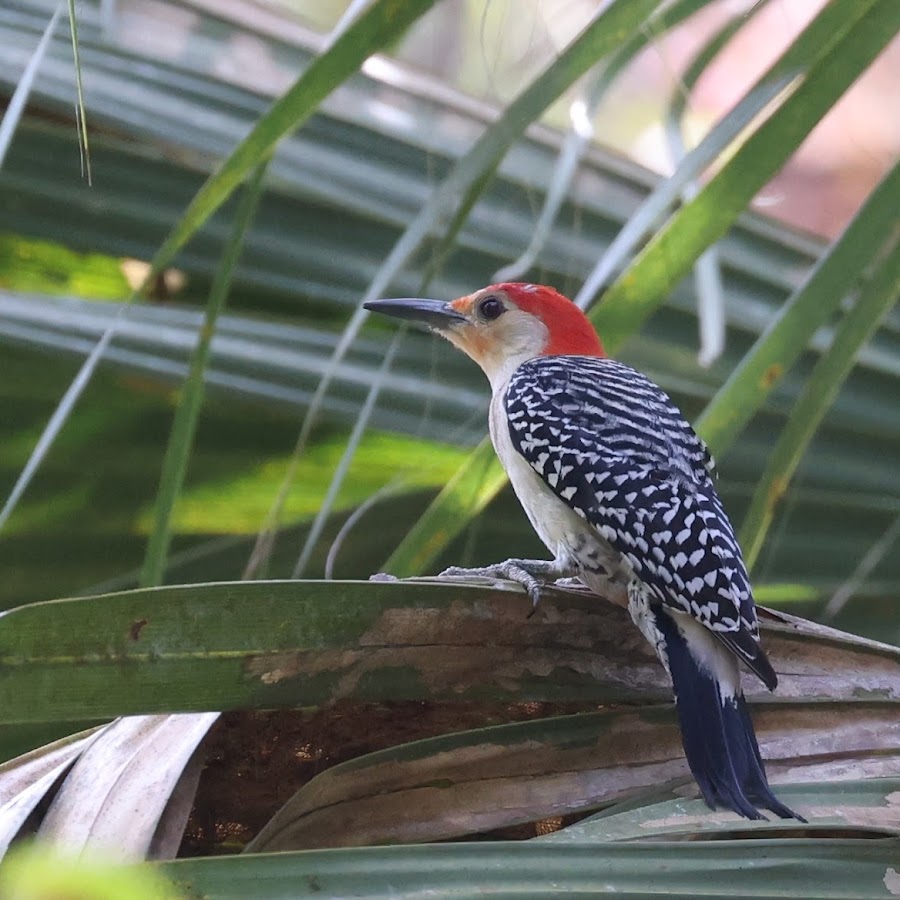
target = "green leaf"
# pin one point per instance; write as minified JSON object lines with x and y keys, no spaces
{"x":357,"y":435}
{"x":377,"y":28}
{"x":16,"y":740}
{"x":603,"y":35}
{"x":714,"y":145}
{"x":841,"y":868}
{"x":476,"y":483}
{"x":663,"y":19}
{"x":184,"y":425}
{"x":383,"y":22}
{"x":858,"y":30}
{"x":807,"y":310}
{"x":299,"y":643}
{"x":48,"y":267}
{"x":876,"y":297}
{"x":80,"y":116}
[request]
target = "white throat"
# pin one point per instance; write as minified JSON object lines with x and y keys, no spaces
{"x":512,"y":340}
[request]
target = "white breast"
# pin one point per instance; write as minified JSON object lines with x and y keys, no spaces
{"x":565,"y":534}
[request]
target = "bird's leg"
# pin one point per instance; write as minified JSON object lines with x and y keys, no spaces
{"x":530,"y":573}
{"x":644,"y":610}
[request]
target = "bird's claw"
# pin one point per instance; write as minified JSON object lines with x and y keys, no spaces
{"x":507,"y":571}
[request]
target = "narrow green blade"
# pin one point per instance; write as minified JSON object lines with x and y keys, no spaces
{"x":184,"y":424}
{"x":475,"y":484}
{"x":807,"y":310}
{"x":875,"y":299}
{"x":856,"y":39}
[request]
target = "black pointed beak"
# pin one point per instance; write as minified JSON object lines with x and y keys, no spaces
{"x":433,"y":313}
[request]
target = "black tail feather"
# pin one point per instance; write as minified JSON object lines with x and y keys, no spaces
{"x":718,"y":736}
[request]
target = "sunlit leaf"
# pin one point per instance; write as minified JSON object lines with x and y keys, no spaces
{"x":41,"y":871}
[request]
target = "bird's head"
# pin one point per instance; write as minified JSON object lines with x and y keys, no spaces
{"x":503,"y":325}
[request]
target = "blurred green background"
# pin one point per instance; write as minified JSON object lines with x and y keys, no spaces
{"x":171,"y":87}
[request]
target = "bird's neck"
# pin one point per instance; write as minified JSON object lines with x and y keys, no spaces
{"x":500,"y":370}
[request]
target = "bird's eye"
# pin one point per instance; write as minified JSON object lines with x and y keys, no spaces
{"x":490,"y":307}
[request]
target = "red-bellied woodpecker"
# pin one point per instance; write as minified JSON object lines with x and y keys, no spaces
{"x":618,"y":486}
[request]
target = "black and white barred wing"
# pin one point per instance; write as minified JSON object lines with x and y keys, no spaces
{"x":614,"y":447}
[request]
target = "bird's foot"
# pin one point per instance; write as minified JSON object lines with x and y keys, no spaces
{"x":532,"y":574}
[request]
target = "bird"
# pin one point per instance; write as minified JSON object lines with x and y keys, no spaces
{"x":620,"y":490}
